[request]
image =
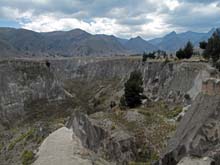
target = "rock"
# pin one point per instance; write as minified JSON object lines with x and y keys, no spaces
{"x":89,"y":133}
{"x":97,"y":135}
{"x":62,"y":147}
{"x":181,"y":114}
{"x":133,"y":116}
{"x":196,"y":161}
{"x":198,"y":132}
{"x":120,"y":147}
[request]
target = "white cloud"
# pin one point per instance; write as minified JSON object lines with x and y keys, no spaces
{"x":172,"y":4}
{"x":14,"y":14}
{"x":46,"y":23}
{"x":127,"y":18}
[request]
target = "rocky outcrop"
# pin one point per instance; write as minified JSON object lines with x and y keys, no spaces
{"x":89,"y":133}
{"x":63,"y":147}
{"x":198,"y":133}
{"x":211,"y":86}
{"x":99,"y":136}
{"x":197,"y":161}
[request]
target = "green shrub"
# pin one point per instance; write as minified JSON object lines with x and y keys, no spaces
{"x":27,"y":135}
{"x":27,"y":157}
{"x":174,"y":112}
{"x":1,"y":146}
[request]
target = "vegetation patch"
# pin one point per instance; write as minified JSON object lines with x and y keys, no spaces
{"x":27,"y":157}
{"x":174,"y":112}
{"x":20,"y":138}
{"x":1,"y":146}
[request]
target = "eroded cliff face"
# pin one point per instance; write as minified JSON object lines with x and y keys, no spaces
{"x":198,"y":134}
{"x":23,"y":83}
{"x":161,"y":79}
{"x":39,"y":91}
{"x":26,"y":81}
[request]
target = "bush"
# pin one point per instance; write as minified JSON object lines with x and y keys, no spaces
{"x":20,"y":138}
{"x":27,"y":157}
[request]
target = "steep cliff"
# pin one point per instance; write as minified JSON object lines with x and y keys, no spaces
{"x":25,"y":81}
{"x":39,"y":94}
{"x":198,"y":133}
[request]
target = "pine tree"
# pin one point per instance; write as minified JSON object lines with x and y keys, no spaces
{"x":180,"y":54}
{"x":213,"y":48}
{"x":188,"y":50}
{"x":133,"y":89}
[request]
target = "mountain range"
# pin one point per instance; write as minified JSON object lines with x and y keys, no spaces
{"x":22,"y":42}
{"x":174,"y":41}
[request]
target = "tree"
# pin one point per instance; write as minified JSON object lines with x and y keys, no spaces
{"x":133,"y":89}
{"x":152,"y":55}
{"x":180,"y":54}
{"x":203,"y":44}
{"x":212,"y":50}
{"x":144,"y":57}
{"x":188,"y":50}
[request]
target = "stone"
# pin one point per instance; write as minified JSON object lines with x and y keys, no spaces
{"x":196,"y":161}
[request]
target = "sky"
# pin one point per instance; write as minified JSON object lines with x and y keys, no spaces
{"x":122,"y":18}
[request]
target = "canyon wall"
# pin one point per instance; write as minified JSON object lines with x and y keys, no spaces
{"x":24,"y":81}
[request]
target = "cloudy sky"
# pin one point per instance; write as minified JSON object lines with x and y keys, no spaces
{"x":123,"y":18}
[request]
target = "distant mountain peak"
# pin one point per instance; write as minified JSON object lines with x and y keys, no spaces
{"x":137,"y":38}
{"x":77,"y":30}
{"x":172,"y":33}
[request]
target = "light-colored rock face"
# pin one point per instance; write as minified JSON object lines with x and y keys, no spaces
{"x":22,"y":83}
{"x":198,"y":133}
{"x":195,"y":161}
{"x":211,"y":86}
{"x":134,"y":116}
{"x":96,"y":135}
{"x":63,"y":147}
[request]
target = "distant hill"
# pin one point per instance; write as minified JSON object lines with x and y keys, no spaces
{"x":139,"y":45}
{"x":22,"y":42}
{"x":71,"y":43}
{"x":174,"y":41}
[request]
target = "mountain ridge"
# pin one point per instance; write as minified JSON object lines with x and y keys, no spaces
{"x":173,"y":41}
{"x":77,"y":42}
